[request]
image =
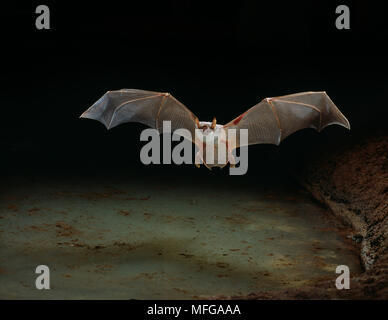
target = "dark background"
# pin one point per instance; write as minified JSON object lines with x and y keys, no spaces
{"x":218,"y":58}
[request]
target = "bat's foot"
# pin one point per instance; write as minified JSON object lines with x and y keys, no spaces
{"x":222,"y":166}
{"x":197,"y":165}
{"x":207,"y":166}
{"x":232,"y":160}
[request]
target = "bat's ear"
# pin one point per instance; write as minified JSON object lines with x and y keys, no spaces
{"x":197,"y":123}
{"x":214,"y":122}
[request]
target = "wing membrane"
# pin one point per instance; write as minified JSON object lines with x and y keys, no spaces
{"x":147,"y":107}
{"x":274,"y":119}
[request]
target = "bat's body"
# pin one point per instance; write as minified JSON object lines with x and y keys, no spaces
{"x":216,"y":135}
{"x":269,"y":121}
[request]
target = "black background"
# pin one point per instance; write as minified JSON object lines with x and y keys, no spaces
{"x":218,"y":58}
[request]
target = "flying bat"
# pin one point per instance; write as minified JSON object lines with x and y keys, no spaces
{"x":270,"y":121}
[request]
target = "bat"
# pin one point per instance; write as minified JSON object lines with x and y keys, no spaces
{"x":270,"y":121}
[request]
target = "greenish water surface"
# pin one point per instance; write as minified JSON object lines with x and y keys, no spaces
{"x":106,"y":239}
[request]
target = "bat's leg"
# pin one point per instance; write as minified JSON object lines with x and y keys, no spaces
{"x":207,"y":166}
{"x":198,"y":159}
{"x":232,"y":160}
{"x":224,"y":165}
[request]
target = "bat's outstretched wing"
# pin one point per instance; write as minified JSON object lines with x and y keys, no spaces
{"x":147,"y":107}
{"x":274,"y":119}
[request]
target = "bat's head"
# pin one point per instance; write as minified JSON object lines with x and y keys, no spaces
{"x":205,"y":126}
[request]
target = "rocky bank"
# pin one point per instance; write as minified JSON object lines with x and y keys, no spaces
{"x":352,"y":181}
